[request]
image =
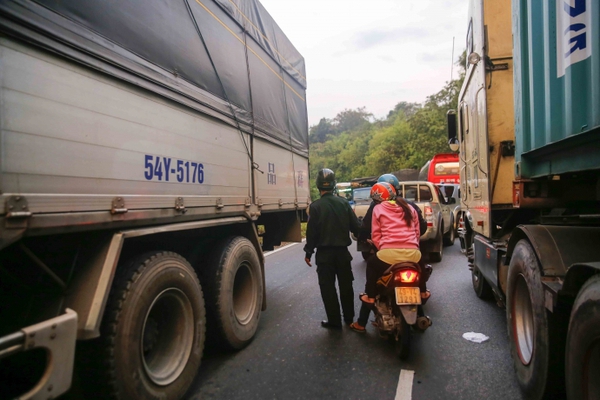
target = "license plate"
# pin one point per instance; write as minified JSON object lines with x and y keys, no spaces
{"x":408,"y":295}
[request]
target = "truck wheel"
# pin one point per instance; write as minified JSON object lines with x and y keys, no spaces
{"x":154,"y":328}
{"x":583,"y":343}
{"x":450,"y":236}
{"x":482,"y":288}
{"x":234,"y":292}
{"x":532,"y":332}
{"x":436,"y":256}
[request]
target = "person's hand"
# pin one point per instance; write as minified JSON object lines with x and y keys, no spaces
{"x":307,"y":260}
{"x":370,"y":242}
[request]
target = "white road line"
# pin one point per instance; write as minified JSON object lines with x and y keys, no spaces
{"x":268,"y":253}
{"x":405,"y":384}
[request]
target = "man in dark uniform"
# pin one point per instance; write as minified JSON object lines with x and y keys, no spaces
{"x":329,"y":222}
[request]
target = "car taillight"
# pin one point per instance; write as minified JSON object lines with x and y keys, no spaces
{"x":428,"y":216}
{"x":406,"y":276}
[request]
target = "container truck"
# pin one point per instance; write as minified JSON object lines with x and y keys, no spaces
{"x":143,"y":143}
{"x":528,"y":131}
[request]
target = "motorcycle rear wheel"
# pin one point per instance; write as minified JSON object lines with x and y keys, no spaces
{"x":402,"y":340}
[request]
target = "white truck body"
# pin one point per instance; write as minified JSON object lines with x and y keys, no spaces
{"x":141,"y":156}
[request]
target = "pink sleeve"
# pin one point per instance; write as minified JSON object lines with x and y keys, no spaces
{"x":375,"y":228}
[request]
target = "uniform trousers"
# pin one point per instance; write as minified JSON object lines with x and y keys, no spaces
{"x":335,"y":263}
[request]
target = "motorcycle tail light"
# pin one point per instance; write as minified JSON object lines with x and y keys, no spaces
{"x":406,"y":276}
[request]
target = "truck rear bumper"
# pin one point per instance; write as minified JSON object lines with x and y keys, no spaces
{"x":58,"y":337}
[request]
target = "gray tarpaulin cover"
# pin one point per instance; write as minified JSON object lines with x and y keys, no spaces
{"x":226,"y":58}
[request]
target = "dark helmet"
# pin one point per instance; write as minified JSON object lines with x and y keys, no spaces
{"x":391,"y":179}
{"x":326,"y":179}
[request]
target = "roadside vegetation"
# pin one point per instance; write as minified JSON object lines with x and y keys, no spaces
{"x":354,"y":144}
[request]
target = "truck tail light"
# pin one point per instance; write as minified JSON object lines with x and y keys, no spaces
{"x":428,"y":216}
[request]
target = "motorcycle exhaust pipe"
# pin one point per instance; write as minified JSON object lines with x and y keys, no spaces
{"x":423,"y":323}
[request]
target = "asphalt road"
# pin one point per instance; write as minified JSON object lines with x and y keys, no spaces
{"x":293,"y":357}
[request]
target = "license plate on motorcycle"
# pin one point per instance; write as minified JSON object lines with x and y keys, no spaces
{"x":408,"y":295}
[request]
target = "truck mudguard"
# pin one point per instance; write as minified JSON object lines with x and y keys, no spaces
{"x":558,"y":247}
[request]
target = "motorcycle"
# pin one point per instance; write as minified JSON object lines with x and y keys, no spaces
{"x":398,"y":305}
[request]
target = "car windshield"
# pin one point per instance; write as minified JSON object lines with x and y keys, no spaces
{"x":447,"y":190}
{"x":424,"y":193}
{"x":446,"y":168}
{"x":362,"y":194}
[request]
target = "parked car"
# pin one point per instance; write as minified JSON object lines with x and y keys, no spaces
{"x":437,"y":211}
{"x":362,"y":200}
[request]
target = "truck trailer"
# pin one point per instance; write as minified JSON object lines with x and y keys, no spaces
{"x":144,"y":145}
{"x":528,"y":134}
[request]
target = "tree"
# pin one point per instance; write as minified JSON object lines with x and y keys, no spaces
{"x":388,"y":150}
{"x":410,"y":135}
{"x":318,"y":133}
{"x":348,"y":120}
{"x":408,"y":109}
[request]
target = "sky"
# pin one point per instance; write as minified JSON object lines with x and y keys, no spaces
{"x":372,"y":53}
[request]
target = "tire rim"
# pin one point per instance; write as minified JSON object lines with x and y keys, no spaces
{"x":476,"y":276}
{"x":244,"y":294}
{"x":591,"y":368}
{"x":168,"y":336}
{"x":523,"y":320}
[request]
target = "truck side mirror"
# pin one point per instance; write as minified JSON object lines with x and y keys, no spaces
{"x":451,"y":122}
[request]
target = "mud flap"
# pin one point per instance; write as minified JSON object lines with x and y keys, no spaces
{"x":410,"y":313}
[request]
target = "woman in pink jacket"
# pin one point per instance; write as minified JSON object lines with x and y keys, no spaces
{"x":395,"y":234}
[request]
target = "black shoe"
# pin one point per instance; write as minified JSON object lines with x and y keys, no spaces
{"x":330,"y":325}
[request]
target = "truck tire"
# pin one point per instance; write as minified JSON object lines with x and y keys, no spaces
{"x":482,"y":288}
{"x":532,"y":331}
{"x":234,"y":292}
{"x":583,"y":344}
{"x":154,"y":328}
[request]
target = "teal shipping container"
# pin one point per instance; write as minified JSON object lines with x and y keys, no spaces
{"x":556,"y":47}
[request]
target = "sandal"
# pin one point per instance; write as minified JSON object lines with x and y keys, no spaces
{"x":366,"y":299}
{"x":357,"y":328}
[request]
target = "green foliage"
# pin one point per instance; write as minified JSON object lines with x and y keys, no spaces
{"x":354,"y":145}
{"x":318,"y":133}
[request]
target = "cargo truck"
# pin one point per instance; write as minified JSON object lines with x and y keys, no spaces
{"x":529,"y":139}
{"x":143,"y":143}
